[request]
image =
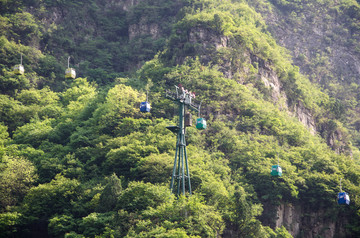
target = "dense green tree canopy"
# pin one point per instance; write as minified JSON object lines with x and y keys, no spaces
{"x":79,"y":159}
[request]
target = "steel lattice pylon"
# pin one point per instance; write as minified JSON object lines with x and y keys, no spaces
{"x":180,"y":174}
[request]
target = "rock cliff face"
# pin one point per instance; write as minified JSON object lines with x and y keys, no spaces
{"x":271,"y":81}
{"x":323,"y":40}
{"x":207,"y":39}
{"x":300,"y":222}
{"x":335,"y":137}
{"x":289,"y":216}
{"x":143,"y":28}
{"x":305,"y":116}
{"x":317,"y":39}
{"x":209,"y":45}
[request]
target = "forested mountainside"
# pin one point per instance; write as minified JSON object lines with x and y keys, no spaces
{"x":79,"y":159}
{"x":323,"y":39}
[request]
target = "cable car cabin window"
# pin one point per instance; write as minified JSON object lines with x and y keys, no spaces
{"x":188,"y":119}
{"x":70,"y":73}
{"x":276,"y":170}
{"x":343,"y":198}
{"x":201,"y":123}
{"x":145,"y":107}
{"x":19,"y":69}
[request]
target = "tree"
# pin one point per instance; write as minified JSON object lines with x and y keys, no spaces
{"x":121,"y":101}
{"x":17,"y":175}
{"x":110,"y":196}
{"x":187,"y":214}
{"x":95,"y":223}
{"x":139,"y":196}
{"x":4,"y":137}
{"x":46,"y":200}
{"x":8,"y":223}
{"x":60,"y":224}
{"x":33,"y":133}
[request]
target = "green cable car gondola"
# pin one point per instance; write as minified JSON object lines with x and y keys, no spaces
{"x":276,"y":170}
{"x":19,"y":68}
{"x":70,"y":72}
{"x":200,"y":122}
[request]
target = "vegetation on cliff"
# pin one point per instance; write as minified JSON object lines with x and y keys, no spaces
{"x":78,"y":158}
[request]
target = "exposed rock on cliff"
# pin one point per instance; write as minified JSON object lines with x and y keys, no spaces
{"x":235,"y":62}
{"x":305,"y":116}
{"x":290,"y":217}
{"x":143,"y":28}
{"x":301,"y":221}
{"x":316,"y":37}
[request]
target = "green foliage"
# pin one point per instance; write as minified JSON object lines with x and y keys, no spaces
{"x":109,"y":197}
{"x":17,"y":176}
{"x":154,"y":168}
{"x":102,"y":168}
{"x":46,"y":200}
{"x":80,"y":91}
{"x":281,"y":232}
{"x":44,"y":103}
{"x":242,"y":215}
{"x":95,"y":223}
{"x":10,"y":83}
{"x":33,"y":133}
{"x":24,"y":28}
{"x":12,"y":51}
{"x":8,"y":222}
{"x":60,"y":224}
{"x":139,"y":196}
{"x":190,"y":214}
{"x":121,"y":102}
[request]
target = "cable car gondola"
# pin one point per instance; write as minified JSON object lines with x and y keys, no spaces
{"x":145,"y":106}
{"x":200,"y":122}
{"x":276,"y":170}
{"x":343,"y":197}
{"x":70,"y":72}
{"x":19,"y":68}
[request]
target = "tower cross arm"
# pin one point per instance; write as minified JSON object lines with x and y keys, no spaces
{"x":184,"y":97}
{"x":171,"y":95}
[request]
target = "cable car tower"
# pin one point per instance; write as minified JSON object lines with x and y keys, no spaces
{"x":180,"y":174}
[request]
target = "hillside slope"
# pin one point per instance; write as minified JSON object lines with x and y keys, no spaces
{"x":323,"y":38}
{"x":78,"y":158}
